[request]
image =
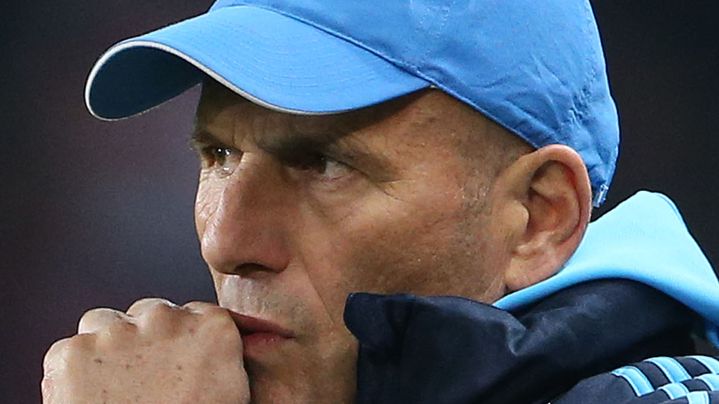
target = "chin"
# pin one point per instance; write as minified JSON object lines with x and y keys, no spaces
{"x":308,"y":378}
{"x":273,"y":391}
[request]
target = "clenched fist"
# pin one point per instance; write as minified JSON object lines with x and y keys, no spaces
{"x":157,"y":352}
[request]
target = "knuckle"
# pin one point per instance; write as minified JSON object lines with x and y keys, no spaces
{"x":46,"y":387}
{"x":62,"y":351}
{"x":158,"y":317}
{"x":99,"y":318}
{"x":198,"y":307}
{"x":80,"y":343}
{"x":116,"y":332}
{"x":63,"y":364}
{"x":150,"y":305}
{"x":55,"y":351}
{"x":220,"y":320}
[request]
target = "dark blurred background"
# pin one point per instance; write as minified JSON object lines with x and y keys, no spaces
{"x":100,"y":214}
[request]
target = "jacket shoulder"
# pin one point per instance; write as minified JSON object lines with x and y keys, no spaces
{"x":667,"y":380}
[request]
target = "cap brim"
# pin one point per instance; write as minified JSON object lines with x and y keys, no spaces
{"x":269,"y":58}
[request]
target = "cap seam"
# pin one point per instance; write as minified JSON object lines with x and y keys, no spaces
{"x":437,"y":33}
{"x":403,"y":65}
{"x":580,"y":99}
{"x":580,"y":102}
{"x":578,"y":111}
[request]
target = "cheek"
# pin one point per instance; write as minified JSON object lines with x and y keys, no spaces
{"x":390,"y":245}
{"x":404,"y":256}
{"x":436,"y":255}
{"x":206,"y":202}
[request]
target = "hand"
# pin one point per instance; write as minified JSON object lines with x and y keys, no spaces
{"x":157,"y":352}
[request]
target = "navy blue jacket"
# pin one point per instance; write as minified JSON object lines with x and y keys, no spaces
{"x":454,"y":350}
{"x":615,"y":325}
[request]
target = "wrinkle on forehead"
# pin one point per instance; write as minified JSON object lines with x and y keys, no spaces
{"x":265,"y":122}
{"x":407,"y":130}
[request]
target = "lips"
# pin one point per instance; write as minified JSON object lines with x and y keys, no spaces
{"x":251,"y":325}
{"x":259,"y":335}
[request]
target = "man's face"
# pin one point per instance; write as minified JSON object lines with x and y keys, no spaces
{"x":295,"y":212}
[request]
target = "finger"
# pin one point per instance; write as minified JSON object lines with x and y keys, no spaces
{"x":54,"y":354}
{"x":219,"y":315}
{"x":62,"y":350}
{"x":202,"y":307}
{"x":100,"y":318}
{"x":211,"y":314}
{"x":215,"y":320}
{"x":47,"y":387}
{"x":158,"y":318}
{"x":50,"y":364}
{"x":143,"y":306}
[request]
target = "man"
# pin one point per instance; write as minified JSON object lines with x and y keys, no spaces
{"x":407,"y":151}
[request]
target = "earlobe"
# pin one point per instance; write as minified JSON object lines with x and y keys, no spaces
{"x":552,"y":197}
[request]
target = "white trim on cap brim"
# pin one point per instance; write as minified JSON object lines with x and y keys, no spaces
{"x":150,"y":44}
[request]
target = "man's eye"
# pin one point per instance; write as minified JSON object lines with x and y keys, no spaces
{"x":326,"y":167}
{"x":216,"y":155}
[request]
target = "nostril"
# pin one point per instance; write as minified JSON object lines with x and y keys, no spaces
{"x":253,"y":269}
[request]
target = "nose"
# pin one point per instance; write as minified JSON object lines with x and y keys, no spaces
{"x":246,"y":219}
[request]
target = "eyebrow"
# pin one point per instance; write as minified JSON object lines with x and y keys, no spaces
{"x":200,"y":138}
{"x":286,"y":146}
{"x":341,"y":147}
{"x":290,"y":147}
{"x":281,"y":146}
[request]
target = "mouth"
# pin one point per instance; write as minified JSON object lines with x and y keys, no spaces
{"x":260,"y":336}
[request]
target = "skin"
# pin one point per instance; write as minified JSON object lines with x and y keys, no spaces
{"x":419,"y":195}
{"x":314,"y":230}
{"x":155,"y":353}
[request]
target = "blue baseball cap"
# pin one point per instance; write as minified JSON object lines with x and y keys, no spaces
{"x":534,"y":67}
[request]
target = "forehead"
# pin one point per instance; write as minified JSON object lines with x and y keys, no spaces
{"x":427,"y":119}
{"x":217,"y":100}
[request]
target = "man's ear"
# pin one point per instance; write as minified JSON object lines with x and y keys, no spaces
{"x":547,"y":200}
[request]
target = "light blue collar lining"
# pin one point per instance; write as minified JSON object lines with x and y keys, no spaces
{"x":644,"y":239}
